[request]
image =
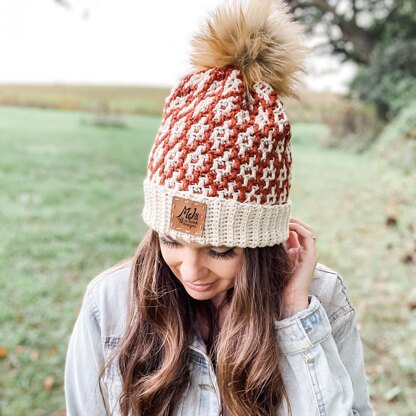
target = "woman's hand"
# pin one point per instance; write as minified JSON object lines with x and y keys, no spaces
{"x":304,"y":257}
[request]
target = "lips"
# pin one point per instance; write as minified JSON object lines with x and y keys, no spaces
{"x":199,"y":287}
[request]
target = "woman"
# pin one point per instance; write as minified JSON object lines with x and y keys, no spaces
{"x":224,"y":308}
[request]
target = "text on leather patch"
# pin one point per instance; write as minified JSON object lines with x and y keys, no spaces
{"x":187,"y":216}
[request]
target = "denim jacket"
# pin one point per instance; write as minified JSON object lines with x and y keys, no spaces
{"x":322,"y":357}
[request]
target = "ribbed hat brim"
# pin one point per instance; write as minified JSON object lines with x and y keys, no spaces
{"x":228,"y":223}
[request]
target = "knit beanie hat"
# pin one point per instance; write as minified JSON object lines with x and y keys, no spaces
{"x":219,"y":171}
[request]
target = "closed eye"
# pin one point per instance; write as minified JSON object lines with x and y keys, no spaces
{"x":212,"y":253}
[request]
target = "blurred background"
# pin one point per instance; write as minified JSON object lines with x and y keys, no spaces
{"x":82,"y":86}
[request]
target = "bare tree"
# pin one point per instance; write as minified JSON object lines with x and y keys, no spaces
{"x":352,"y":28}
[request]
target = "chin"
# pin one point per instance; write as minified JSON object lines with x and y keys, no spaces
{"x":200,"y":295}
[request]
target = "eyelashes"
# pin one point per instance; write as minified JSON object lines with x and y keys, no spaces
{"x":214,"y":254}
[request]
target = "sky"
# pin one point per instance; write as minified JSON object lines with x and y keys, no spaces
{"x":132,"y":42}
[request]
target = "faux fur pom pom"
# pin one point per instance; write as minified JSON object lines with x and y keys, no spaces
{"x":258,"y":37}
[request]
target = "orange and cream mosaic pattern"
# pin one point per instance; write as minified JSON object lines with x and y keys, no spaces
{"x":228,"y":148}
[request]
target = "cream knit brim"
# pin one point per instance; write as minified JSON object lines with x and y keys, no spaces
{"x":228,"y":223}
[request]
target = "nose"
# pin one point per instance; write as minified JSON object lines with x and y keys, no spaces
{"x":192,"y":266}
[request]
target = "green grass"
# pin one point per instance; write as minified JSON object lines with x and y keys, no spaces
{"x":70,"y":206}
{"x":136,"y":99}
{"x":104,"y":98}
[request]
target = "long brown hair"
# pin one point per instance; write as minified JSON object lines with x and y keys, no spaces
{"x":153,"y":355}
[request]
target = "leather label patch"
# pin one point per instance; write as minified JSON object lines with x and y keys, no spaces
{"x":187,"y":216}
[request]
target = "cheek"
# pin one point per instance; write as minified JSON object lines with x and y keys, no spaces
{"x":226,"y":269}
{"x":169,"y":256}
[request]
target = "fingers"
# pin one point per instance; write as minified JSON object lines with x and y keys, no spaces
{"x":300,"y":229}
{"x":293,"y":240}
{"x":300,"y":235}
{"x":304,"y":235}
{"x":295,"y":220}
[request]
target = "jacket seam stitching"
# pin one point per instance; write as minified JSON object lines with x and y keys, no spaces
{"x":344,"y":290}
{"x":310,"y":363}
{"x":98,"y":279}
{"x":94,"y":309}
{"x":340,"y":313}
{"x":346,"y":314}
{"x":327,"y":271}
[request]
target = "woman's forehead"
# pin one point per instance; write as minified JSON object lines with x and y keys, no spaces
{"x":186,"y":243}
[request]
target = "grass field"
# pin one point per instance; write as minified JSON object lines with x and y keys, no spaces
{"x":70,"y":206}
{"x":115,"y":99}
{"x":135,"y":99}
